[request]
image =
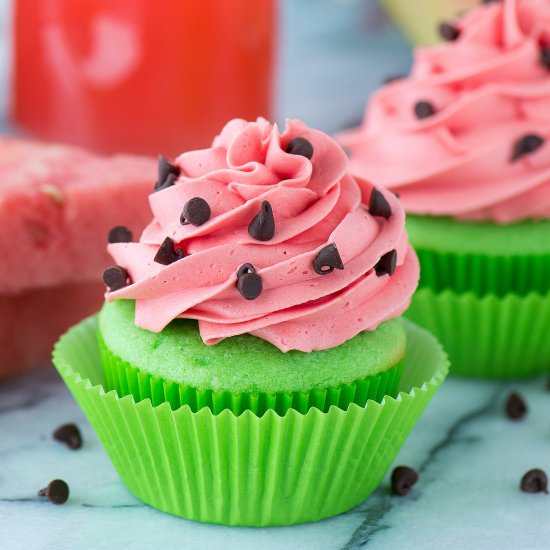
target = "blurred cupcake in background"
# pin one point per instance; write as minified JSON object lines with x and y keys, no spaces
{"x":464,"y":141}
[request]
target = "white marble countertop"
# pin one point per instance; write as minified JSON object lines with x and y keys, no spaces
{"x":469,"y":455}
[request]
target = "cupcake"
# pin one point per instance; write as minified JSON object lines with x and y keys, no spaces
{"x":250,"y":357}
{"x":463,"y":142}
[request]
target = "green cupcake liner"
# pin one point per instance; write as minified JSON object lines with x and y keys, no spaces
{"x":126,"y":379}
{"x":246,"y":469}
{"x":489,"y":336}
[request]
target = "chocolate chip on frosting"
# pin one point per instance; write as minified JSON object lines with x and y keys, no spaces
{"x":544,"y":57}
{"x":515,"y":406}
{"x":119,"y":234}
{"x":534,"y":481}
{"x":262,"y":227}
{"x":115,"y":277}
{"x":448,"y":32}
{"x":167,"y":253}
{"x":300,"y":146}
{"x":69,"y":434}
{"x":403,"y":478}
{"x":167,"y":174}
{"x":386,"y":264}
{"x":57,"y":492}
{"x":525,"y":145}
{"x":327,"y":260}
{"x":424,"y":109}
{"x":378,"y":205}
{"x":196,"y":211}
{"x":249,"y":282}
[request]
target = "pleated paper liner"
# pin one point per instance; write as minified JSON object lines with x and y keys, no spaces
{"x":489,"y":336}
{"x":129,"y":380}
{"x":246,"y":469}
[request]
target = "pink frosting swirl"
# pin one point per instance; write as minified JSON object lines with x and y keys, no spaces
{"x":315,"y":203}
{"x":489,"y":88}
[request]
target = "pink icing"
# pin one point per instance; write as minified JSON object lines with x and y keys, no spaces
{"x":489,"y":89}
{"x":314,"y":203}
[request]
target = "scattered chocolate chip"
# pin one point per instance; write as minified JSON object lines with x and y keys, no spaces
{"x":403,"y":479}
{"x":525,"y":145}
{"x":167,"y":174}
{"x":119,"y":234}
{"x":168,"y":182}
{"x":386,"y":264}
{"x":534,"y":481}
{"x":544,"y":57}
{"x":249,"y":282}
{"x":70,"y":435}
{"x":393,"y":78}
{"x":115,"y":277}
{"x":167,"y":253}
{"x":300,"y":146}
{"x":196,"y":211}
{"x":378,"y":205}
{"x":424,"y":109}
{"x":515,"y":406}
{"x":327,"y":260}
{"x":262,"y":227}
{"x":56,"y":492}
{"x":448,"y":32}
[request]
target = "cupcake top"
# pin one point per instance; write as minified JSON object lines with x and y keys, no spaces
{"x":465,"y":135}
{"x":267,"y":234}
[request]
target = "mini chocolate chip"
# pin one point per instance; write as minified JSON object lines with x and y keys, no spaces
{"x":448,"y":32}
{"x":403,"y":479}
{"x":115,"y":277}
{"x":386,"y":264}
{"x":544,"y":57}
{"x":327,"y":260}
{"x":168,"y":182}
{"x":424,"y":109}
{"x":167,"y":174}
{"x":167,"y":253}
{"x":515,"y":406}
{"x":393,"y":78}
{"x":56,"y":492}
{"x":534,"y":481}
{"x":70,"y":435}
{"x":378,"y":205}
{"x":119,"y":234}
{"x":300,"y":146}
{"x":525,"y":145}
{"x":196,"y":211}
{"x":249,"y":282}
{"x":262,"y":227}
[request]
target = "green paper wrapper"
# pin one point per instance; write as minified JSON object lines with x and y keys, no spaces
{"x":128,"y":380}
{"x":246,"y":469}
{"x":489,"y":336}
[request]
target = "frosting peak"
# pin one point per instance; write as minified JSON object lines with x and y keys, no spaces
{"x":283,"y":246}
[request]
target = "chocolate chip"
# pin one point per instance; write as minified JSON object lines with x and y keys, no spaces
{"x":168,"y":182}
{"x":115,"y":277}
{"x":544,"y":58}
{"x":525,"y":145}
{"x":70,"y":435}
{"x":262,"y":227}
{"x":424,"y":109}
{"x":448,"y":32}
{"x":393,"y":78}
{"x":327,"y":260}
{"x":403,"y":479}
{"x":515,"y":406}
{"x":300,"y":146}
{"x":534,"y":481}
{"x":378,"y":205}
{"x":56,"y":492}
{"x":167,"y":253}
{"x":249,"y":282}
{"x":167,"y":174}
{"x":119,"y":234}
{"x":196,"y":211}
{"x":386,"y":264}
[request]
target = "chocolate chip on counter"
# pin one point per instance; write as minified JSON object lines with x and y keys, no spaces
{"x":115,"y":277}
{"x":167,"y":253}
{"x":515,"y":406}
{"x":448,"y":32}
{"x":386,"y":264}
{"x":300,"y":146}
{"x":424,"y":109}
{"x":167,"y":174}
{"x":378,"y":205}
{"x":196,"y":211}
{"x":534,"y":481}
{"x":119,"y":234}
{"x":403,"y":479}
{"x":56,"y":492}
{"x":544,"y":57}
{"x":327,"y":260}
{"x":249,"y":282}
{"x":262,"y":227}
{"x":525,"y":145}
{"x":69,"y":434}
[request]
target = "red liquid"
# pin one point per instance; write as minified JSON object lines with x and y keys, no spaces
{"x":145,"y":76}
